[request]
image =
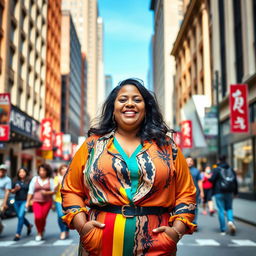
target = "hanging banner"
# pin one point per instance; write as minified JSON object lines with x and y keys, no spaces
{"x":186,"y":134}
{"x":47,"y":134}
{"x":58,"y":144}
{"x":67,"y":147}
{"x":177,"y":139}
{"x":238,"y":103}
{"x":5,"y":110}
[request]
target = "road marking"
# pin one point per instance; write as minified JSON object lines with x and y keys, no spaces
{"x":72,"y":250}
{"x":6,"y":243}
{"x":33,"y":243}
{"x":207,"y":242}
{"x":63,"y":242}
{"x":242,"y":243}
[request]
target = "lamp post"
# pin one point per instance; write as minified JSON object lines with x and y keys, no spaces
{"x":218,"y":113}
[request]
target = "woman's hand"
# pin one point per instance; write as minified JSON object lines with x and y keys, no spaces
{"x":88,"y":226}
{"x":169,"y":231}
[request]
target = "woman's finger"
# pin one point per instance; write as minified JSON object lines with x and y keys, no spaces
{"x":160,"y":229}
{"x":98,"y":224}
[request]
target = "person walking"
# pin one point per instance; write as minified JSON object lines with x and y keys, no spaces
{"x":132,"y":176}
{"x":20,"y":189}
{"x":41,"y":189}
{"x":58,"y":200}
{"x":207,"y":187}
{"x":5,"y":187}
{"x":224,"y":186}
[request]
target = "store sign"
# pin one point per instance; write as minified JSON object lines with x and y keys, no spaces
{"x":186,"y":134}
{"x":5,"y":110}
{"x":238,"y":103}
{"x":58,"y":144}
{"x":210,"y":122}
{"x":67,"y":147}
{"x":177,"y":139}
{"x":47,"y":134}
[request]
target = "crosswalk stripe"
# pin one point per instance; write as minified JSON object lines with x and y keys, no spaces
{"x":6,"y":243}
{"x":33,"y":243}
{"x":63,"y":242}
{"x":243,"y":243}
{"x":207,"y":242}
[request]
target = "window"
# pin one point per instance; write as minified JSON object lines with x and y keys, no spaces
{"x":243,"y":165}
{"x":254,"y":21}
{"x":238,"y":40}
{"x":222,"y":48}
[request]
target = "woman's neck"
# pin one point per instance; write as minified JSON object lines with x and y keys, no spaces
{"x":127,"y":134}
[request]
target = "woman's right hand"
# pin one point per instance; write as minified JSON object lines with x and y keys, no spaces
{"x":88,"y":226}
{"x":27,"y":205}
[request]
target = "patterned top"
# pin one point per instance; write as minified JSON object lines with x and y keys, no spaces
{"x":99,"y":175}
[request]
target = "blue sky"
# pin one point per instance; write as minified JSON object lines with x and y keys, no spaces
{"x":127,"y":32}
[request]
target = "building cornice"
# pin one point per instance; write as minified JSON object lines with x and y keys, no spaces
{"x":186,"y":23}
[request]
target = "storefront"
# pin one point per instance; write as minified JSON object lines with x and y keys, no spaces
{"x":21,"y":149}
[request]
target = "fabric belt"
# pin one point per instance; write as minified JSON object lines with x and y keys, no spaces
{"x":129,"y":211}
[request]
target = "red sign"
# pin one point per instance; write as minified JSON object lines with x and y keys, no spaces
{"x":177,"y":139}
{"x":58,"y":144}
{"x":5,"y":111}
{"x":186,"y":134}
{"x":46,"y":134}
{"x":238,"y":103}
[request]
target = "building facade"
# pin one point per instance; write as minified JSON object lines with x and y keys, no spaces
{"x":85,"y":16}
{"x":53,"y":76}
{"x":234,"y":57}
{"x":165,"y":31}
{"x":23,"y":72}
{"x":71,"y":76}
{"x":108,"y":84}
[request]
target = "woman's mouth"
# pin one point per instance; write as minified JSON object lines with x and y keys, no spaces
{"x":129,"y":113}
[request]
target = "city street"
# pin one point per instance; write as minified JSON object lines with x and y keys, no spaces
{"x":206,"y":242}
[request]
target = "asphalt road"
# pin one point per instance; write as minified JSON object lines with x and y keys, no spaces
{"x":206,"y":242}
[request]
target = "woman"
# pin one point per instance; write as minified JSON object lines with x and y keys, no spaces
{"x":208,"y":187}
{"x":41,"y":189}
{"x":20,"y":189}
{"x":131,"y":176}
{"x":57,"y":182}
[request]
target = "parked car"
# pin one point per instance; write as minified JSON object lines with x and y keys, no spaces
{"x":10,"y":211}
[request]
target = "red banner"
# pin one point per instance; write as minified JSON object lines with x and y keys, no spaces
{"x":177,"y":139}
{"x":47,"y":134}
{"x":238,"y":103}
{"x":186,"y":134}
{"x":5,"y":111}
{"x":58,"y":144}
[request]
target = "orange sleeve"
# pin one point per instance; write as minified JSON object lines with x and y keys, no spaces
{"x":185,"y":194}
{"x":73,"y":189}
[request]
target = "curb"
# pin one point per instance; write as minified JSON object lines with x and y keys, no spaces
{"x":245,"y":221}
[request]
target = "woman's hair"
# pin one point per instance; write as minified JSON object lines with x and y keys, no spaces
{"x":152,"y":128}
{"x":47,"y":168}
{"x":27,"y":174}
{"x":62,"y":166}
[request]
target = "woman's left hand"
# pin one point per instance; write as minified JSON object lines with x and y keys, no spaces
{"x":169,"y":231}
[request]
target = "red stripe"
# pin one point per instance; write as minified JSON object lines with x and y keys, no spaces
{"x":108,"y":233}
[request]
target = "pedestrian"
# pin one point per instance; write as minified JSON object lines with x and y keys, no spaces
{"x":196,"y":175}
{"x":131,"y":175}
{"x":58,"y":200}
{"x":5,"y":187}
{"x":20,"y":189}
{"x":224,"y":187}
{"x":41,"y":190}
{"x":207,"y":187}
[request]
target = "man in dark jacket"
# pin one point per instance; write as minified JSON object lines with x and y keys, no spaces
{"x":223,"y":192}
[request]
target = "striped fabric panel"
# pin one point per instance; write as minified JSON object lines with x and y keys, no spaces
{"x":130,"y":227}
{"x":118,"y":239}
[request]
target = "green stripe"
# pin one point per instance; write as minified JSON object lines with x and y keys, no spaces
{"x":130,"y":228}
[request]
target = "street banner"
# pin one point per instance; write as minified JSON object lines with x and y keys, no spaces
{"x":186,"y":134}
{"x":58,"y":144}
{"x":5,"y":110}
{"x":210,"y":122}
{"x":177,"y":139}
{"x":66,"y":147}
{"x":47,"y":134}
{"x":238,"y":103}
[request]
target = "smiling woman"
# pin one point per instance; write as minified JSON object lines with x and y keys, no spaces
{"x":132,"y":177}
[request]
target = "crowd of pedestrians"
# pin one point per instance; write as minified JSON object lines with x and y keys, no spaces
{"x":39,"y":193}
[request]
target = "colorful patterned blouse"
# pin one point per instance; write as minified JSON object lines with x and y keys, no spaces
{"x":99,"y":175}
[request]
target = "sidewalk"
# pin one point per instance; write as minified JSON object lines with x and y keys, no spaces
{"x":245,"y":210}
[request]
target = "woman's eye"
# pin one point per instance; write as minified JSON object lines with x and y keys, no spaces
{"x":122,"y":100}
{"x":137,"y":100}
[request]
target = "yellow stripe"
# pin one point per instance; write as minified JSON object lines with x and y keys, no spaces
{"x":118,"y":239}
{"x":123,"y":193}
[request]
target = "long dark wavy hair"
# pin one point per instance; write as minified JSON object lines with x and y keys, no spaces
{"x":152,"y":128}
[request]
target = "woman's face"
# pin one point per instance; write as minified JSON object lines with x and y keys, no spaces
{"x":42,"y":172}
{"x":129,"y":108}
{"x":22,"y":174}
